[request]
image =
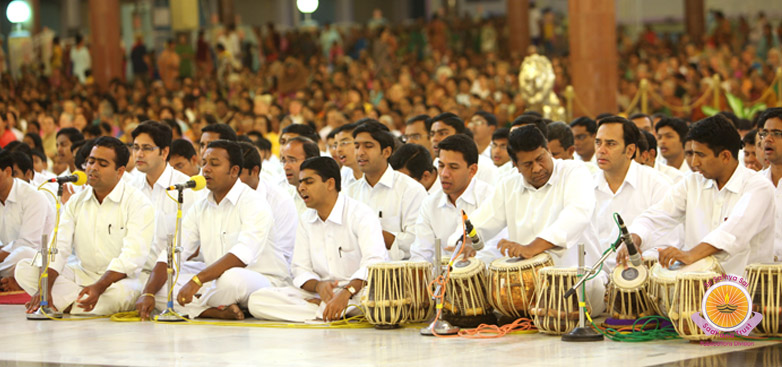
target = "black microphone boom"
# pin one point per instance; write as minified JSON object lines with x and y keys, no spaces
{"x":635,"y":257}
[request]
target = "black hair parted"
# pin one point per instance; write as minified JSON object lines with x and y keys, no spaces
{"x":121,"y":152}
{"x":462,"y":144}
{"x":718,"y":133}
{"x":413,"y":157}
{"x":525,"y":139}
{"x":224,"y":131}
{"x":182,"y":148}
{"x":325,"y":167}
{"x":378,"y":131}
{"x":630,"y":132}
{"x":233,"y":150}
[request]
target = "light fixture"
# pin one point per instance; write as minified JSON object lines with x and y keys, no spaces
{"x":307,"y":6}
{"x":18,"y":11}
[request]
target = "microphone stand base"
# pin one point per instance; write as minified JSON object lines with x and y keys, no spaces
{"x":441,"y":327}
{"x":169,"y":316}
{"x":582,"y":334}
{"x":39,"y":315}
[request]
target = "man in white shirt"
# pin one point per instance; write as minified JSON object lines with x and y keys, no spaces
{"x":584,"y":130}
{"x":108,"y":227}
{"x":642,"y":121}
{"x":231,"y":228}
{"x":417,"y":132}
{"x":25,"y":215}
{"x":151,"y":142}
{"x":560,"y":140}
{"x":748,"y":146}
{"x":395,"y":197}
{"x":727,"y":210}
{"x":210,"y":133}
{"x":284,"y":210}
{"x":296,"y":150}
{"x":647,"y":156}
{"x":548,"y":207}
{"x":414,"y":161}
{"x":771,"y":135}
{"x":482,"y":125}
{"x":346,"y":154}
{"x":623,"y":186}
{"x":671,"y":134}
{"x":66,"y":138}
{"x":447,"y":124}
{"x":441,"y":212}
{"x":499,"y":153}
{"x":337,"y":238}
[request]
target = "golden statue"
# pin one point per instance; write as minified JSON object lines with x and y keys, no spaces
{"x":536,"y":79}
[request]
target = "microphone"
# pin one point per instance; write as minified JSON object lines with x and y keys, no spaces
{"x":635,"y":257}
{"x":78,"y":178}
{"x":477,"y":244}
{"x":196,"y":183}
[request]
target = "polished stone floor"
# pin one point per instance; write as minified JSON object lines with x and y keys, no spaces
{"x":103,"y":342}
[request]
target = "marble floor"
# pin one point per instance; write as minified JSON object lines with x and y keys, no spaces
{"x":103,"y":342}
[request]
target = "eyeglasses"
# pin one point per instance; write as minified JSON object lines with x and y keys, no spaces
{"x":776,"y":134}
{"x":291,"y":161}
{"x":406,"y":138}
{"x":476,"y":123}
{"x":340,"y":144}
{"x":144,"y":148}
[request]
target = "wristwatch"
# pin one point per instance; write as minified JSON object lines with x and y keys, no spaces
{"x":350,"y":290}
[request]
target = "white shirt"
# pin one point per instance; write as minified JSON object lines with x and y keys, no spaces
{"x":507,"y":170}
{"x":111,"y":236}
{"x":436,"y":186}
{"x":241,"y":224}
{"x":22,"y":215}
{"x":439,"y":218}
{"x":739,"y":219}
{"x":286,"y":219}
{"x":559,"y":212}
{"x":396,"y":199}
{"x":339,"y":248}
{"x":271,"y":170}
{"x":487,"y":152}
{"x":672,"y":173}
{"x":642,"y":188}
{"x":41,"y":177}
{"x":165,"y":208}
{"x":777,"y":213}
{"x":347,"y":176}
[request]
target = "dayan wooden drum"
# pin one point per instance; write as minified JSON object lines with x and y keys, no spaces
{"x":687,"y":299}
{"x":512,"y":283}
{"x":553,"y":314}
{"x":649,"y":261}
{"x":765,"y":288}
{"x":627,"y":293}
{"x":396,"y":293}
{"x":466,"y":303}
{"x":663,"y":281}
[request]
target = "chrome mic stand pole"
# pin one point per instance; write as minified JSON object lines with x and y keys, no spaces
{"x":169,"y":315}
{"x":439,"y":326}
{"x":582,"y":333}
{"x":43,"y":291}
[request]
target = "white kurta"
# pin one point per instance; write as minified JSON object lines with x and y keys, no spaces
{"x":777,"y":215}
{"x":346,"y":174}
{"x":739,"y":219}
{"x":293,"y":193}
{"x":286,"y":218}
{"x":24,"y":217}
{"x":396,"y":200}
{"x":672,"y":173}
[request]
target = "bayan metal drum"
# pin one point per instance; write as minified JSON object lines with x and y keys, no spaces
{"x":512,"y":283}
{"x":663,"y":281}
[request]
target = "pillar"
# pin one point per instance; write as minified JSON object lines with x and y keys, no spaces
{"x":694,"y":20}
{"x":105,"y":41}
{"x":518,"y":26}
{"x":226,"y":10}
{"x":344,"y":13}
{"x":593,"y":55}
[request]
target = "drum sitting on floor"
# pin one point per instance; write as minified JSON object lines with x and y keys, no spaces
{"x":553,"y":314}
{"x":663,"y":281}
{"x":627,"y":293}
{"x":512,"y":283}
{"x":396,"y":293}
{"x":765,"y":288}
{"x":687,"y":300}
{"x":466,"y":303}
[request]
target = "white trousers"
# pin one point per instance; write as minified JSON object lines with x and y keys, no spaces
{"x":233,"y":287}
{"x":290,"y":304}
{"x":118,"y":297}
{"x":17,"y":255}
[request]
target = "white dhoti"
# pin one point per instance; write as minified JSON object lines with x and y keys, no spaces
{"x":291,"y":304}
{"x":233,"y":287}
{"x":118,"y":297}
{"x":17,"y":255}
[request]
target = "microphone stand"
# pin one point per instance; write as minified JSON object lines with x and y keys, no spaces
{"x":43,"y":291}
{"x":439,"y":326}
{"x":582,"y":333}
{"x":169,"y":315}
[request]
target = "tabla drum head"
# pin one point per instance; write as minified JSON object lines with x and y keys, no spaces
{"x":520,"y":262}
{"x":469,"y":266}
{"x":631,"y":278}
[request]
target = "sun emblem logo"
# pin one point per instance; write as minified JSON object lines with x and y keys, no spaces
{"x":727,"y":305}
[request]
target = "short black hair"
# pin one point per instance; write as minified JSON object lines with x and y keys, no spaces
{"x":525,"y":139}
{"x":160,"y":133}
{"x":182,"y":148}
{"x":750,"y":138}
{"x":332,"y":134}
{"x":602,"y":116}
{"x":37,"y":141}
{"x":425,"y":118}
{"x":173,"y":126}
{"x":770,"y":113}
{"x":83,"y":149}
{"x":630,"y":132}
{"x":233,"y":150}
{"x":6,"y":160}
{"x":651,"y":140}
{"x":311,"y":149}
{"x":718,"y":133}
{"x":325,"y":167}
{"x":121,"y":152}
{"x":589,"y":124}
{"x":462,"y":144}
{"x":643,"y":144}
{"x":302,"y":130}
{"x":263,"y":144}
{"x":73,"y":134}
{"x":678,"y":125}
{"x":501,"y":133}
{"x":638,"y":116}
{"x":250,"y":157}
{"x":491,"y":120}
{"x":451,"y":120}
{"x":413,"y":157}
{"x":226,"y":132}
{"x":22,"y":160}
{"x":378,"y":132}
{"x":93,"y":130}
{"x":561,"y":132}
{"x":531,"y":119}
{"x":346,"y":128}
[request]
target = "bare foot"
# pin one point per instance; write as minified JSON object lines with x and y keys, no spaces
{"x":9,"y":285}
{"x":232,"y":312}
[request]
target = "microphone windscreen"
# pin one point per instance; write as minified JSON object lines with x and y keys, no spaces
{"x":82,"y":178}
{"x":200,"y":182}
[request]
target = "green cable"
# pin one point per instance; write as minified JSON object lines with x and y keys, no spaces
{"x":644,"y":335}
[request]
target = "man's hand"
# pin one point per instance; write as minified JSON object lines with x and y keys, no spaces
{"x":622,"y":255}
{"x":35,"y":302}
{"x":89,"y":295}
{"x":3,"y":255}
{"x":468,"y":251}
{"x":388,"y":238}
{"x":145,"y":305}
{"x":187,"y":292}
{"x":514,"y":249}
{"x":326,"y":290}
{"x":336,"y":306}
{"x":669,"y":255}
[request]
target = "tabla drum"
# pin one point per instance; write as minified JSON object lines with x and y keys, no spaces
{"x":649,"y":261}
{"x":553,"y":314}
{"x":627,"y":293}
{"x":765,"y":288}
{"x":663,"y":281}
{"x":396,"y":293}
{"x":512,"y":283}
{"x":465,"y":303}
{"x":687,"y":300}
